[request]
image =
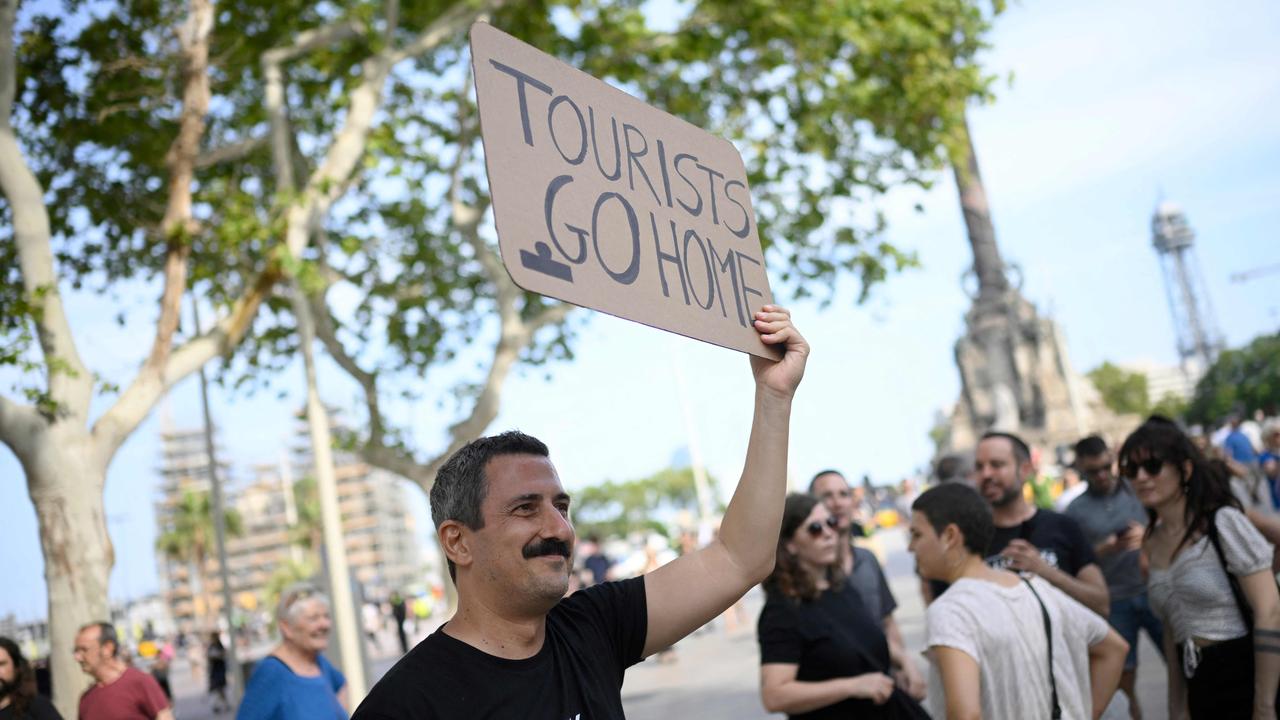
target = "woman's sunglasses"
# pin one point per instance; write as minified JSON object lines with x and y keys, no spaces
{"x":815,"y":527}
{"x":1152,"y":465}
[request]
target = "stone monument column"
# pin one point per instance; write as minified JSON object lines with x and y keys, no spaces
{"x":1014,"y":371}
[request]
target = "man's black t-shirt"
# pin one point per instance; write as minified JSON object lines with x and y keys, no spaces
{"x":1059,"y":538}
{"x":832,"y":636}
{"x":592,"y":637}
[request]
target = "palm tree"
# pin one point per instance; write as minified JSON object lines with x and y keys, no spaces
{"x":308,"y":531}
{"x":190,"y":538}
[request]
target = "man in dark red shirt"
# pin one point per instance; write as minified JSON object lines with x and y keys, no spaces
{"x":119,"y":692}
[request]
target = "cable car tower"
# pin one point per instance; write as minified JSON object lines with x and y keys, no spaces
{"x":1198,"y":340}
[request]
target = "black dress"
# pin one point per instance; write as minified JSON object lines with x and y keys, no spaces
{"x":831,"y":637}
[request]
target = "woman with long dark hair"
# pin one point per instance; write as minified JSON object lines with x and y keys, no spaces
{"x":1210,"y":579}
{"x":822,"y":655}
{"x":18,"y":697}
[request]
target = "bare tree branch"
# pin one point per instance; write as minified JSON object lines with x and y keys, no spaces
{"x":137,"y":400}
{"x":177,"y":226}
{"x":456,"y":19}
{"x":68,"y":380}
{"x":391,"y":14}
{"x":230,"y":153}
{"x":309,"y":40}
{"x":514,"y":335}
{"x":19,"y":425}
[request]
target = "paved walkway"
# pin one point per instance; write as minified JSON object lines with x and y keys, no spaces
{"x":715,"y":673}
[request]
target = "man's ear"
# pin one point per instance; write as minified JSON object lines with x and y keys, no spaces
{"x":455,"y":542}
{"x":951,"y":536}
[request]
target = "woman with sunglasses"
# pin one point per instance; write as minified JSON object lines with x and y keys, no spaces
{"x":822,"y":655}
{"x":1209,"y":579}
{"x":296,"y":682}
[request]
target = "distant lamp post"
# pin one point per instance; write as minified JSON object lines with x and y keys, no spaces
{"x":220,"y":528}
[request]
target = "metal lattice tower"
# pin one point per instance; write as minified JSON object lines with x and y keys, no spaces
{"x":1193,"y":318}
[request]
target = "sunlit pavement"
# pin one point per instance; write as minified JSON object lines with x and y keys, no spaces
{"x":715,"y":673}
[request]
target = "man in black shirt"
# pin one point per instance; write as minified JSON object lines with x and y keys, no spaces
{"x":517,"y":648}
{"x":1028,"y":539}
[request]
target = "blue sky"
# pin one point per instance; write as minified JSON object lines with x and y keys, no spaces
{"x":1110,"y":105}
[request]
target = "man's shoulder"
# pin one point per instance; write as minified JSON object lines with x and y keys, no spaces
{"x":431,"y":668}
{"x":1081,"y":505}
{"x":1052,"y":520}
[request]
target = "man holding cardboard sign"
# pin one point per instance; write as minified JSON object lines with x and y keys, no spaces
{"x":516,"y":647}
{"x":649,"y":220}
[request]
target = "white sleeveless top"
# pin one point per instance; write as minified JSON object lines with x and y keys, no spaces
{"x":1193,"y":597}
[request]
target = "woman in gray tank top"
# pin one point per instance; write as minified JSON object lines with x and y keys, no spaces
{"x":1210,"y":580}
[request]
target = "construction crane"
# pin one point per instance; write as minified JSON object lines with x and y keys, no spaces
{"x":1254,"y":273}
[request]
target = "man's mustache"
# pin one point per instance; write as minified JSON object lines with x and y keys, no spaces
{"x":549,"y":546}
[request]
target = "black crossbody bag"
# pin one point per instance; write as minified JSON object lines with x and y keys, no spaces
{"x":1056,"y":710}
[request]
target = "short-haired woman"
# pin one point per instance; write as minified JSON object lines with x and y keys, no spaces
{"x":1000,"y":645}
{"x":296,"y":682}
{"x":1209,"y":579}
{"x":822,"y":655}
{"x":18,"y":697}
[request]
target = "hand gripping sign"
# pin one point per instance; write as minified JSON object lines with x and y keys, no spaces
{"x":606,"y":202}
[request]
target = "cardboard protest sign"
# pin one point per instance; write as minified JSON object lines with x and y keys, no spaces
{"x":606,"y":202}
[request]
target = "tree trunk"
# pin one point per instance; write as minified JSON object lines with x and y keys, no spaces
{"x":65,"y":480}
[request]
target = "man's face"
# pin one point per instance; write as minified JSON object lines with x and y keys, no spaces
{"x":835,"y":493}
{"x":1096,"y":470}
{"x":90,"y":652}
{"x":526,"y":544}
{"x":1000,"y":476}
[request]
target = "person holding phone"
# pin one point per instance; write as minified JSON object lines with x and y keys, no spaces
{"x":1113,"y":521}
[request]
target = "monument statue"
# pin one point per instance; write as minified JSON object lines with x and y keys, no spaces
{"x":1015,"y":373}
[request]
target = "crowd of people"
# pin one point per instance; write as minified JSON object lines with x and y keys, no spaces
{"x":1031,"y":613}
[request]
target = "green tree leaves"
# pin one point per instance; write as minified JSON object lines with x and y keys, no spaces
{"x":619,"y":508}
{"x":1247,"y":378}
{"x":1123,"y":391}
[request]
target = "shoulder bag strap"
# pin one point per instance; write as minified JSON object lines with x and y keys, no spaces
{"x":1056,"y":711}
{"x":1236,"y":591}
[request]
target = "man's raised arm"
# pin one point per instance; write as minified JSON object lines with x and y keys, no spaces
{"x":686,"y":593}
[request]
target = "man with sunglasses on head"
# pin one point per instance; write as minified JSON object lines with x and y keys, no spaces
{"x":1114,"y":521}
{"x":517,"y":647}
{"x":865,"y":575}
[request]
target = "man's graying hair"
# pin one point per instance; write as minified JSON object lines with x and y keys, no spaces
{"x":461,"y":486}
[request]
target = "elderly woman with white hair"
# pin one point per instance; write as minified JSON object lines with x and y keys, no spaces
{"x":296,"y":682}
